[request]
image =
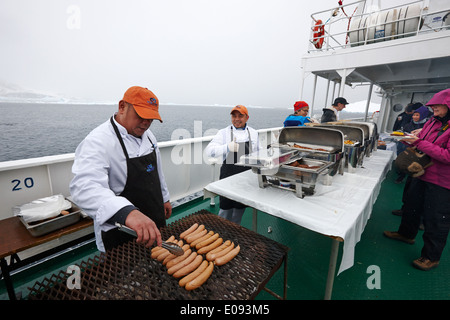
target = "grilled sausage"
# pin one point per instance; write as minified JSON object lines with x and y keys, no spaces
{"x":199,"y":229}
{"x":193,"y":237}
{"x":172,"y":238}
{"x":183,"y":263}
{"x":207,"y":241}
{"x":191,"y":276}
{"x":218,"y":249}
{"x":173,"y":262}
{"x":221,"y":247}
{"x":226,"y":258}
{"x":189,"y":267}
{"x":173,"y":256}
{"x":206,"y":236}
{"x":210,"y":247}
{"x":201,"y":279}
{"x":165,"y":254}
{"x":214,"y":256}
{"x":189,"y":230}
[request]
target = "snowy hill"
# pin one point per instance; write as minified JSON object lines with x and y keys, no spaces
{"x":14,"y":93}
{"x":360,"y":106}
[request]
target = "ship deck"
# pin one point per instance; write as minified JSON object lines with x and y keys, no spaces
{"x":308,"y":258}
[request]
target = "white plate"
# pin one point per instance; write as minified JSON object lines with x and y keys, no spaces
{"x":398,"y":138}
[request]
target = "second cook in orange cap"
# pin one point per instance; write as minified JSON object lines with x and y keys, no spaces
{"x":229,"y":144}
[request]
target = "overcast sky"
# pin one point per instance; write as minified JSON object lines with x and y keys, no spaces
{"x":186,"y":51}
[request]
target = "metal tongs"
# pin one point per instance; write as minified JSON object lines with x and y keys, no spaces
{"x":172,"y":247}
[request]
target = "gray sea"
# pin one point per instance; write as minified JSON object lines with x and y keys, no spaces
{"x":30,"y":130}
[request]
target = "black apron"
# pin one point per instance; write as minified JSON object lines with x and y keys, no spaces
{"x":142,"y":189}
{"x":229,"y":168}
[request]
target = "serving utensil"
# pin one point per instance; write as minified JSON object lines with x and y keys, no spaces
{"x":172,"y":247}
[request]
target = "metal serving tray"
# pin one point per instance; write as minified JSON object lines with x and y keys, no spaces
{"x":306,"y":174}
{"x":306,"y":148}
{"x":268,"y":161}
{"x":373,"y":133}
{"x":354,"y":153}
{"x":370,"y":134}
{"x":300,"y":180}
{"x":324,"y":138}
{"x":38,"y":229}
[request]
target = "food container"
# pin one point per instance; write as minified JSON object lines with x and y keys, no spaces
{"x":353,"y":144}
{"x":39,"y":228}
{"x":303,"y":179}
{"x":314,"y":151}
{"x":268,"y":161}
{"x":316,"y":142}
{"x":299,"y":179}
{"x":370,"y":135}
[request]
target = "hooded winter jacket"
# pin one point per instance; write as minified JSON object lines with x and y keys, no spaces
{"x":438,"y":148}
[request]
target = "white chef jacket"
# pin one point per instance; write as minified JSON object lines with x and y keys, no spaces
{"x":100,"y":173}
{"x":219,"y":144}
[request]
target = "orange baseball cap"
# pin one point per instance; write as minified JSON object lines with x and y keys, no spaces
{"x":241,"y":109}
{"x":144,"y":102}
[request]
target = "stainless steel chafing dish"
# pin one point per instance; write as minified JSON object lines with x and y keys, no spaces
{"x":316,"y":143}
{"x":373,"y":133}
{"x":297,"y":160}
{"x":268,"y":161}
{"x":353,"y":144}
{"x":370,"y":134}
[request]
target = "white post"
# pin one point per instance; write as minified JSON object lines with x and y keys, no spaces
{"x":368,"y":101}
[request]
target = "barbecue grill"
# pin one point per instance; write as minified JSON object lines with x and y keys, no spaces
{"x":129,"y":272}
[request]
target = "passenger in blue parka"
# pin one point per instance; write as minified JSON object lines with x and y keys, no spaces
{"x":299,"y":117}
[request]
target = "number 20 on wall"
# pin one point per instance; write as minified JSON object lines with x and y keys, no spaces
{"x":19,"y":184}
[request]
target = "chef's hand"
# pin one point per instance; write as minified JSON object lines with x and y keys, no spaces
{"x":233,"y":146}
{"x":146,"y":229}
{"x":167,"y":209}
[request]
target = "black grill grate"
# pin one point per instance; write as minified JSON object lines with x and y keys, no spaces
{"x":128,"y":271}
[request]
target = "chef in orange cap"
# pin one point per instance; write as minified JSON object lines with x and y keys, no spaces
{"x":230,"y":144}
{"x":118,"y":176}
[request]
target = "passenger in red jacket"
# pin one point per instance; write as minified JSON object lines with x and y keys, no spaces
{"x":428,"y":196}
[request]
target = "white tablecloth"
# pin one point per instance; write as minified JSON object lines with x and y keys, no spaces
{"x":339,"y":210}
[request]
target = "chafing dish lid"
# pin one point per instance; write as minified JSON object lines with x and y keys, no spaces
{"x":363,"y":125}
{"x":350,"y":132}
{"x":319,"y":136}
{"x":373,"y":130}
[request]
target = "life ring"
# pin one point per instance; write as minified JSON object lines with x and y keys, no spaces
{"x":318,"y":35}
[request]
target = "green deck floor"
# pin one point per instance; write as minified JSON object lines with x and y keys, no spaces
{"x":309,"y":257}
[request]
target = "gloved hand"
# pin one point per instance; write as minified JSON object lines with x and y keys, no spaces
{"x":233,"y":146}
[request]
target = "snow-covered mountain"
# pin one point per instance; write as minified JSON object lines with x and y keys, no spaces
{"x":14,"y":93}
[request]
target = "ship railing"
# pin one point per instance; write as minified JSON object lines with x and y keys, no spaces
{"x":186,"y":169}
{"x":347,"y":27}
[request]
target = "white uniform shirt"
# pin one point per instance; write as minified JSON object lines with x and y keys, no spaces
{"x":100,"y":173}
{"x":218,"y":147}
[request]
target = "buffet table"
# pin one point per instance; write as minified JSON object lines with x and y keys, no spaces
{"x":340,"y":210}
